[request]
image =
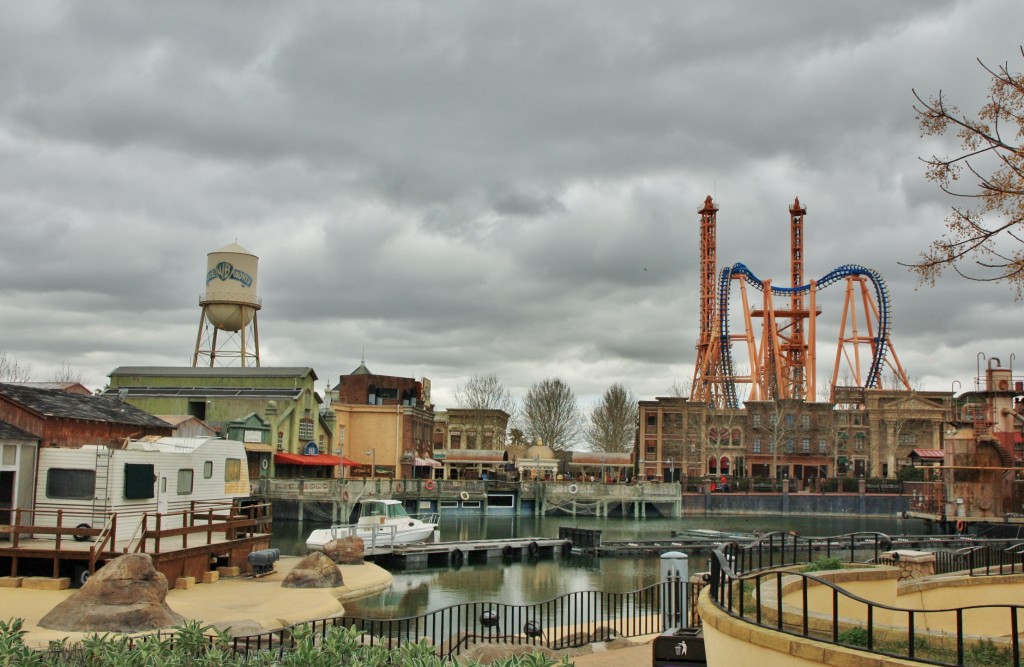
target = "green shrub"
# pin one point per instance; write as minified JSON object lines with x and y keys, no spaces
{"x":196,"y":645}
{"x":854,"y":637}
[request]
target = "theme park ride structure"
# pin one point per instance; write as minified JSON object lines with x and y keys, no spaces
{"x":783,"y":355}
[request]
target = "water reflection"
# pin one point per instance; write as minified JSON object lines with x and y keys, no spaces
{"x":525,"y":582}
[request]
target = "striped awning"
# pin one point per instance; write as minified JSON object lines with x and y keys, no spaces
{"x":928,"y":454}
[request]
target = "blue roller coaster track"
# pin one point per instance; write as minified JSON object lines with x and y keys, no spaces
{"x":740,"y":271}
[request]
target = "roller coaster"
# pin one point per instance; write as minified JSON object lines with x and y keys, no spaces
{"x":782,"y":360}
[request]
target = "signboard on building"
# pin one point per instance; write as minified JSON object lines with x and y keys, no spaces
{"x":252,"y":436}
{"x":311,"y":449}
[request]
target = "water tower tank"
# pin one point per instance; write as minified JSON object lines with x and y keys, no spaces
{"x":230,"y":299}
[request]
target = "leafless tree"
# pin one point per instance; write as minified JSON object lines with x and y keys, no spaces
{"x":550,"y":412}
{"x":67,"y":374}
{"x":482,"y":393}
{"x":987,"y":229}
{"x":485,"y":392}
{"x":12,"y":371}
{"x":612,"y":426}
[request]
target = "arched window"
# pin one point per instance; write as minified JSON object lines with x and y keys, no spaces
{"x":712,"y":466}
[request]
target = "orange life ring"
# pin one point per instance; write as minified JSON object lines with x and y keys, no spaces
{"x":960,"y":525}
{"x":344,"y":496}
{"x":429,"y":485}
{"x":398,"y":486}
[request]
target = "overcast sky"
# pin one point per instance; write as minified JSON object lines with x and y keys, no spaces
{"x":463,"y":188}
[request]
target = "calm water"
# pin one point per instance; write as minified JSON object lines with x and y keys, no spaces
{"x":418,"y":591}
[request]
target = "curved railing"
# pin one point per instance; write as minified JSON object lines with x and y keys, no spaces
{"x":743,"y":585}
{"x":568,"y":621}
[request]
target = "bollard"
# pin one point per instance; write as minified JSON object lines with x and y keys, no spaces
{"x":675,"y":570}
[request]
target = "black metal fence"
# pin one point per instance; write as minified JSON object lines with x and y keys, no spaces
{"x":572,"y":620}
{"x":750,"y":582}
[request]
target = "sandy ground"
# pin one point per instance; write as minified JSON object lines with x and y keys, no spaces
{"x":253,"y":605}
{"x":247,"y":605}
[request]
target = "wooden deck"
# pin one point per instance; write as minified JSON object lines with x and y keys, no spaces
{"x":201,"y":539}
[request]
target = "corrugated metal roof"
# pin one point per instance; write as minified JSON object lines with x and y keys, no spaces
{"x":216,"y":371}
{"x":210,"y":392}
{"x":54,"y":403}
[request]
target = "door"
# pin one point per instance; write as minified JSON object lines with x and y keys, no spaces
{"x":7,"y":486}
{"x":161,"y":495}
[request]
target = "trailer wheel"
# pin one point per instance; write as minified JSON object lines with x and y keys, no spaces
{"x":81,"y":576}
{"x":79,"y":537}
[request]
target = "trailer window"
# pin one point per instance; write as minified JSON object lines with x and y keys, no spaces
{"x":207,"y":469}
{"x":138,"y":480}
{"x":232,"y":470}
{"x":69,"y":483}
{"x":184,"y":481}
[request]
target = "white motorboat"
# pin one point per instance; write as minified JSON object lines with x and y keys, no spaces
{"x":381,"y":524}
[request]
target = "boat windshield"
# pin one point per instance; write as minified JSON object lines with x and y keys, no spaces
{"x":396,"y":511}
{"x":389,"y":510}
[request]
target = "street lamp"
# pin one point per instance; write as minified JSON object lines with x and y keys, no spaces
{"x":372,"y":453}
{"x":671,"y":471}
{"x":603,"y":478}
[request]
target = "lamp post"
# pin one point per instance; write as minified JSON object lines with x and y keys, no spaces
{"x":603,"y":478}
{"x":536,"y":467}
{"x":372,"y":453}
{"x":671,"y":471}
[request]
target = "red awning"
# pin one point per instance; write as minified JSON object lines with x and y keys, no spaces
{"x":348,"y":463}
{"x":932,"y":454}
{"x":303,"y":460}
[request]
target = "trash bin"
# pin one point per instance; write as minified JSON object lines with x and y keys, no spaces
{"x":679,"y":647}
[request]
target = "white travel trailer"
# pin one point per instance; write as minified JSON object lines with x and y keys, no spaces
{"x":165,"y":475}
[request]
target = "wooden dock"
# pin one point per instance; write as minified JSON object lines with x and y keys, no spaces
{"x":430,"y":554}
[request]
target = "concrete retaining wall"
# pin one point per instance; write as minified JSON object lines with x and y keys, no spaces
{"x":809,"y":504}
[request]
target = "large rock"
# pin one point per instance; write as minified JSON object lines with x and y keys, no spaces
{"x":346,"y":551}
{"x":126,"y":595}
{"x":314,"y":571}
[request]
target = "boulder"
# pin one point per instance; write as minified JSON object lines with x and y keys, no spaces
{"x":346,"y":551}
{"x":314,"y":571}
{"x":126,"y":595}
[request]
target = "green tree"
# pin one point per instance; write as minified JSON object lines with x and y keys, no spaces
{"x":986,"y":231}
{"x":550,"y":412}
{"x":612,"y":425}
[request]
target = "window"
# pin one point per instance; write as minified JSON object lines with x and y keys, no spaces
{"x":773,"y":420}
{"x":207,"y":469}
{"x":822,"y":446}
{"x":790,"y":420}
{"x":280,"y":439}
{"x":805,"y":422}
{"x":184,"y":481}
{"x":789,"y":445}
{"x":232,"y":470}
{"x":138,"y":480}
{"x":197,"y":409}
{"x":652,"y":420}
{"x":908,"y":439}
{"x":69,"y":483}
{"x":756,"y":420}
{"x":757,"y":445}
{"x":390,"y":393}
{"x":306,"y":429}
{"x":771,"y":448}
{"x":805,"y":445}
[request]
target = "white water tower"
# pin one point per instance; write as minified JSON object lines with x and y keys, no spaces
{"x":227,"y":326}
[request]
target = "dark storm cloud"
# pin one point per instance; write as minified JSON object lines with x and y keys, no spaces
{"x":471,"y":187}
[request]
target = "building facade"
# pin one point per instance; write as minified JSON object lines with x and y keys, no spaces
{"x":285,"y":398}
{"x":870,"y":434}
{"x":384,"y":424}
{"x":471,"y":444}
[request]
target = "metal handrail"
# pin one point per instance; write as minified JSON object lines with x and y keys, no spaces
{"x":729,"y":574}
